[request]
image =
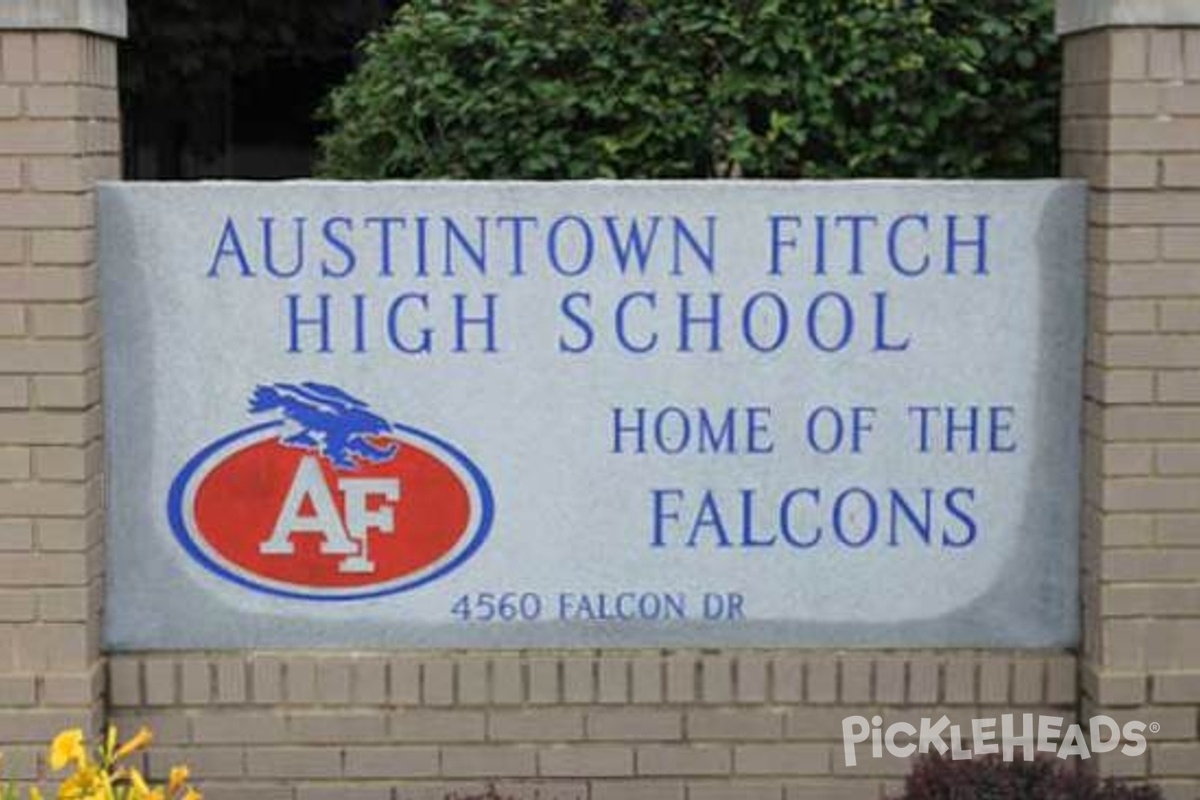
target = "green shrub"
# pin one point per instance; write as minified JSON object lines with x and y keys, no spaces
{"x":701,"y":88}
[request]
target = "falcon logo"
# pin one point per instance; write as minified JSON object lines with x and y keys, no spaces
{"x":327,"y":500}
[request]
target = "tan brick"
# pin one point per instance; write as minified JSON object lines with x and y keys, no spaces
{"x":1191,"y":54}
{"x":579,"y":680}
{"x":735,"y":724}
{"x":1061,"y":681}
{"x":75,"y":604}
{"x":1175,"y":759}
{"x":12,"y":320}
{"x":1120,"y":386}
{"x":370,"y":680}
{"x":300,"y":680}
{"x":12,"y":246}
{"x":159,"y":676}
{"x":1129,"y":53}
{"x":994,"y":679}
{"x":262,"y":726}
{"x":391,"y":762}
{"x":1176,"y":687}
{"x":539,"y":725}
{"x":820,"y":679}
{"x":472,"y":681}
{"x":42,"y":569}
{"x":10,"y":168}
{"x":1125,"y":316}
{"x":1149,"y":207}
{"x":71,"y":690}
{"x":41,"y":137}
{"x":1128,"y":171}
{"x":647,"y":678}
{"x":48,"y":356}
{"x":856,"y":679}
{"x":612,"y":680}
{"x":1152,"y":424}
{"x":437,"y":687}
{"x":1166,"y":54}
{"x":833,"y":790}
{"x":1181,"y":244}
{"x":789,"y":679}
{"x":781,"y":759}
{"x":15,"y":463}
{"x":54,"y":102}
{"x":488,"y":761}
{"x":62,"y":647}
{"x":40,"y":726}
{"x":16,"y":535}
{"x":124,"y":681}
{"x":334,"y":678}
{"x":196,"y":679}
{"x":247,"y":790}
{"x":508,"y":681}
{"x":18,"y":690}
{"x":67,"y":534}
{"x":66,"y":391}
{"x":543,"y":680}
{"x":1178,"y":387}
{"x":48,"y":283}
{"x":1138,"y":600}
{"x":266,"y":675}
{"x":293,"y":762}
{"x":1141,"y":351}
{"x":15,"y":606}
{"x":1028,"y":681}
{"x":681,"y":678}
{"x":343,"y":791}
{"x":638,"y":790}
{"x":683,"y":759}
{"x":209,"y":762}
{"x":14,"y":392}
{"x":635,"y":724}
{"x":16,"y":58}
{"x":1151,"y":565}
{"x":430,"y":725}
{"x":587,"y":760}
{"x":1151,"y":494}
{"x":734,"y":790}
{"x":38,"y":499}
{"x":1178,"y":530}
{"x":59,"y":57}
{"x":1178,"y":459}
{"x":1180,"y":316}
{"x":64,"y":247}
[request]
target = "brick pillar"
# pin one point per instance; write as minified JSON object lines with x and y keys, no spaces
{"x":59,"y":133}
{"x":1131,"y":127}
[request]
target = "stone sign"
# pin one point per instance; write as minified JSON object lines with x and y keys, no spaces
{"x":592,"y":414}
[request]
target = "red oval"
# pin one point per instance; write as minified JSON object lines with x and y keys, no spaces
{"x":239,"y":501}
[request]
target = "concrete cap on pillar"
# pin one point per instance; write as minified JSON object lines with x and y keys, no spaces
{"x":101,"y":17}
{"x":1074,"y":16}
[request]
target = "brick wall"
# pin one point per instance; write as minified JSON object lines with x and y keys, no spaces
{"x":58,"y":134}
{"x":638,"y":725}
{"x":682,"y":725}
{"x":1131,"y":126}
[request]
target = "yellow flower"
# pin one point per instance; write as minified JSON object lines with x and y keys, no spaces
{"x":137,"y":784}
{"x":139,"y":740}
{"x":34,"y":794}
{"x":67,"y":748}
{"x":86,"y":784}
{"x":179,"y":776}
{"x":192,"y":794}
